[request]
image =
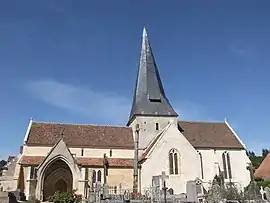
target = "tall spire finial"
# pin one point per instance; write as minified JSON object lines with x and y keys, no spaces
{"x":149,"y":96}
{"x":144,"y":32}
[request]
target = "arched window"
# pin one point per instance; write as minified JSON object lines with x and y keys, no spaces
{"x":157,"y":126}
{"x":201,"y":164}
{"x":229,"y":166}
{"x":173,"y":162}
{"x":94,"y":176}
{"x":226,"y":165}
{"x":99,"y":176}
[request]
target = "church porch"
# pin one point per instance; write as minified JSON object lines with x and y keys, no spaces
{"x":58,"y":175}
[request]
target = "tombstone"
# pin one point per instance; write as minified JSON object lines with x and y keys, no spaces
{"x":156,"y":187}
{"x":98,"y":192}
{"x":163,"y":178}
{"x":171,"y":191}
{"x":156,"y":181}
{"x":191,"y":189}
{"x":12,"y":198}
{"x":253,"y":191}
{"x":267,"y":193}
{"x":262,"y":193}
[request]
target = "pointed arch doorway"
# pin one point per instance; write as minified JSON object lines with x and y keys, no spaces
{"x":57,"y":177}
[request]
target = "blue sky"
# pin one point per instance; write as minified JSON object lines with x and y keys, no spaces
{"x":76,"y":61}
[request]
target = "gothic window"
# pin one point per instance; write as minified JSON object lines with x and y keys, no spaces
{"x":157,"y":126}
{"x":227,"y":165}
{"x":173,"y":162}
{"x":94,"y":176}
{"x":201,"y":164}
{"x":99,"y":176}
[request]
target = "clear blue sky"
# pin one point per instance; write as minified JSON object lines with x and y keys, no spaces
{"x":76,"y":61}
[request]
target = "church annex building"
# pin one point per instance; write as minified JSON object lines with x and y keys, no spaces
{"x":66,"y":157}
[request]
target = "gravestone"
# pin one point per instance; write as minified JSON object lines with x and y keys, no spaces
{"x":156,"y":181}
{"x":191,"y":189}
{"x":262,"y":193}
{"x":267,"y":193}
{"x":12,"y":198}
{"x":156,"y":187}
{"x":163,"y":178}
{"x":253,"y":191}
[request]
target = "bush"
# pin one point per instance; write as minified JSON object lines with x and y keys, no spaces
{"x":65,"y":197}
{"x":263,"y":183}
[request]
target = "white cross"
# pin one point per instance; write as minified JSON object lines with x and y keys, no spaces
{"x":163,"y":177}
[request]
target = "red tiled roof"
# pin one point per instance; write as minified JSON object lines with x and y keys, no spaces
{"x":209,"y":135}
{"x":96,"y":136}
{"x":85,"y":161}
{"x":263,"y":171}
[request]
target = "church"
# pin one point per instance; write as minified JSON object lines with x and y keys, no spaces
{"x":66,"y":157}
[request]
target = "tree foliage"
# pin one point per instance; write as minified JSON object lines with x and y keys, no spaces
{"x":2,"y":163}
{"x":256,"y":160}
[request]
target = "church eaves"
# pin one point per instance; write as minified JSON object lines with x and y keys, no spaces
{"x":149,"y":96}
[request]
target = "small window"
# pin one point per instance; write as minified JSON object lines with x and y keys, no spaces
{"x":99,"y":176}
{"x":33,"y":172}
{"x":110,"y":152}
{"x":82,"y":152}
{"x":157,"y":126}
{"x":94,"y":176}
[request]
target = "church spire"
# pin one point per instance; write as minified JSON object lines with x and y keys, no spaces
{"x":149,"y":96}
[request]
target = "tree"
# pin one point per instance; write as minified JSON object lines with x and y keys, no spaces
{"x":256,"y":160}
{"x":265,"y":152}
{"x":2,"y":163}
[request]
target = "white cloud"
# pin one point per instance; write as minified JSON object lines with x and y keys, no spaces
{"x":111,"y":108}
{"x":192,"y":111}
{"x":107,"y":107}
{"x":239,"y":49}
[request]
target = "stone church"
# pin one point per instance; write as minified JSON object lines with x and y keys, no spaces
{"x":65,"y":157}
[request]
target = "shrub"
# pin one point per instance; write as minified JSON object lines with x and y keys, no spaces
{"x":65,"y":197}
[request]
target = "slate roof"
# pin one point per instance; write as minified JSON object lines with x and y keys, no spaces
{"x":209,"y":135}
{"x":85,"y":161}
{"x":149,"y":95}
{"x":263,"y":171}
{"x":80,"y":135}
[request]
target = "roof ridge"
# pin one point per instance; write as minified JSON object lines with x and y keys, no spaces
{"x":63,"y":123}
{"x":198,"y":121}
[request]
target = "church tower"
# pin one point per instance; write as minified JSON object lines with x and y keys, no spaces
{"x":151,"y":109}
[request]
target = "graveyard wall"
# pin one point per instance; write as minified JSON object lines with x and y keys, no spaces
{"x":88,"y":152}
{"x":158,"y":161}
{"x":212,"y":161}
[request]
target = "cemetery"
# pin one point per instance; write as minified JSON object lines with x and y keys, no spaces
{"x":158,"y":192}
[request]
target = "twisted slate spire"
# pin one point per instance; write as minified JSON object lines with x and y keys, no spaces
{"x":149,"y":96}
